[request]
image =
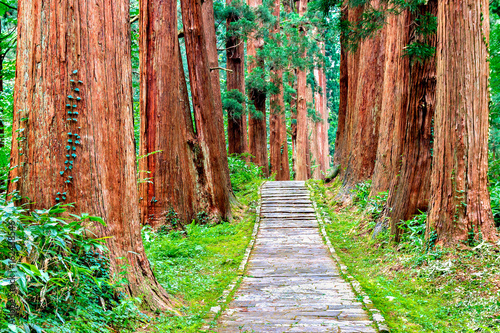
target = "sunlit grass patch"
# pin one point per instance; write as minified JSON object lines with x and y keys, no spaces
{"x":197,"y":264}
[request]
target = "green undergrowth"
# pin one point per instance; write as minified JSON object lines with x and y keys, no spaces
{"x":197,"y":264}
{"x":58,"y":277}
{"x":62,"y":280}
{"x":417,"y":287}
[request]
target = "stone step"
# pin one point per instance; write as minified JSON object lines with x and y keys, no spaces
{"x":291,"y":283}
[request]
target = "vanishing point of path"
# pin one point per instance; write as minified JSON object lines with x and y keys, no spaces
{"x":292,"y":283}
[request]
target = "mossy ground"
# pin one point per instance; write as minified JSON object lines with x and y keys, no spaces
{"x":417,"y":287}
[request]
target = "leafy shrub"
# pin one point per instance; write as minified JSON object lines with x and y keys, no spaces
{"x":242,"y":173}
{"x":362,"y":194}
{"x":58,"y":277}
{"x":495,"y":190}
{"x":371,"y":205}
{"x":413,"y":231}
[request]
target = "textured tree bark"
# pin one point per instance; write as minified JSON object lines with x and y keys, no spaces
{"x":321,"y":127}
{"x":257,"y":129}
{"x":207,"y":8}
{"x":349,"y":72}
{"x":460,"y":203}
{"x":236,"y":125}
{"x":364,"y":104}
{"x":394,"y":103}
{"x":301,"y":158}
{"x":77,"y":53}
{"x":278,"y":142}
{"x":324,"y":146}
{"x":315,"y":130}
{"x":327,"y":159}
{"x":410,"y":191}
{"x":169,"y":178}
{"x":293,"y":127}
{"x":340,"y":144}
{"x":208,"y":118}
{"x":312,"y":137}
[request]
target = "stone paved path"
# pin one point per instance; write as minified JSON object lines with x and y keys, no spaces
{"x":292,"y":284}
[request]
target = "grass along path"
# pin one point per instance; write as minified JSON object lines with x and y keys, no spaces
{"x":417,"y":288}
{"x":196,"y":265}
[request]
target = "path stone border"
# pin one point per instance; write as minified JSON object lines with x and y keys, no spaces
{"x":215,"y":311}
{"x":376,"y":315}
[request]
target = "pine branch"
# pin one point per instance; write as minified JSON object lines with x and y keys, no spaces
{"x":231,"y":47}
{"x":221,"y":68}
{"x":8,"y":6}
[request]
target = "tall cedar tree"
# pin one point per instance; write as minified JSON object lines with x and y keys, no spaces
{"x":207,"y":9}
{"x":172,"y":170}
{"x":394,"y":103}
{"x":345,"y":56}
{"x":323,"y":125}
{"x":365,"y":72}
{"x":209,"y":123}
{"x":320,"y":130}
{"x":312,"y":140}
{"x":278,"y":142}
{"x":73,"y":135}
{"x":236,"y":122}
{"x":211,"y":42}
{"x":293,"y":101}
{"x":257,"y":128}
{"x":410,"y":191}
{"x":314,"y":123}
{"x":301,"y":162}
{"x":460,"y":203}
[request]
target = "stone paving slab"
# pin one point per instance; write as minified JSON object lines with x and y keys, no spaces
{"x":291,"y":283}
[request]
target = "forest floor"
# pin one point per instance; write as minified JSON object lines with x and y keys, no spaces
{"x":417,"y":287}
{"x":196,"y":265}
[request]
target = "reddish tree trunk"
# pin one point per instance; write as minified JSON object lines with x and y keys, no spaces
{"x":213,"y":57}
{"x":277,"y":122}
{"x":169,"y":179}
{"x":257,"y":126}
{"x":410,"y":191}
{"x":460,"y":203}
{"x":364,"y":105}
{"x":349,"y":71}
{"x":209,"y":125}
{"x":344,"y":77}
{"x":293,"y":127}
{"x":327,"y":159}
{"x":87,"y":42}
{"x":236,"y":125}
{"x":301,"y":158}
{"x":312,"y":137}
{"x":394,"y":103}
{"x":207,"y":10}
{"x":321,"y":127}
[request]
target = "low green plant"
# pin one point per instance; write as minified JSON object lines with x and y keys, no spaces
{"x":494,"y":176}
{"x":242,"y":173}
{"x":196,"y":264}
{"x":417,"y":286}
{"x":56,"y":275}
{"x":362,"y":194}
